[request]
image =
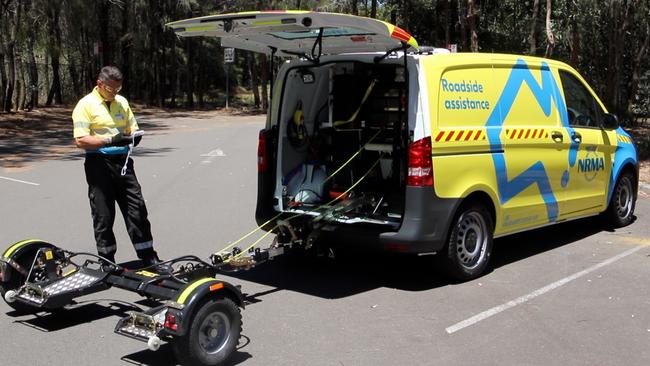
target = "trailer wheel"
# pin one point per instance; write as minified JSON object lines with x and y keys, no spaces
{"x":14,"y":279}
{"x":620,"y":211}
{"x":470,"y":243}
{"x":213,"y":334}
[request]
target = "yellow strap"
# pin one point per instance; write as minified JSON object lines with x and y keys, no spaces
{"x":189,"y":289}
{"x":300,"y":214}
{"x":352,"y":157}
{"x":280,"y":214}
{"x":363,"y":101}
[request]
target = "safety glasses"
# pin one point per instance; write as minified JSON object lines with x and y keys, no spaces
{"x":110,"y":89}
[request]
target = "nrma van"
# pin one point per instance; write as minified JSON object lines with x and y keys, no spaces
{"x":373,"y":142}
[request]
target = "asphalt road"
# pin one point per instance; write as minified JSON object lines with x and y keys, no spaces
{"x":572,"y":294}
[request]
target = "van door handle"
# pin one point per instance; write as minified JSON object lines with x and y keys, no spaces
{"x":557,"y":136}
{"x":576,"y":137}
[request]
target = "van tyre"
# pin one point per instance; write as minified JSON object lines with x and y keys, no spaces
{"x":620,"y":211}
{"x":212,"y":336}
{"x":470,"y":243}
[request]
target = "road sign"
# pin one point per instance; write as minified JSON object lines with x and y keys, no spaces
{"x":228,"y":55}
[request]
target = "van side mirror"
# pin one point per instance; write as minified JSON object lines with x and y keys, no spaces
{"x":610,"y":121}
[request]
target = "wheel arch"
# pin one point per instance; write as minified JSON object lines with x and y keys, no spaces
{"x":196,"y":293}
{"x":484,"y":198}
{"x":629,"y":165}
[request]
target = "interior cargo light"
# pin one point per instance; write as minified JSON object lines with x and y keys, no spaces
{"x":170,"y":321}
{"x":420,"y":169}
{"x":261,"y":153}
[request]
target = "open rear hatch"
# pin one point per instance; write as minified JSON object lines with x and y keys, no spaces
{"x":294,"y":33}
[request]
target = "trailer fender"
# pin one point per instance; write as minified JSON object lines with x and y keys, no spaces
{"x":17,"y":250}
{"x":193,"y":295}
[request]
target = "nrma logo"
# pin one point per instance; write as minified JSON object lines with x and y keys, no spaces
{"x":591,"y":165}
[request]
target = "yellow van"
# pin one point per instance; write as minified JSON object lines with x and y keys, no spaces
{"x":376,"y":142}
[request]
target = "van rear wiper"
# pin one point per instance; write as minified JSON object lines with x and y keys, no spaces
{"x":311,"y":57}
{"x":379,"y":59}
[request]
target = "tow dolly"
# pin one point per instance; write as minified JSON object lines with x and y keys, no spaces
{"x":199,"y":314}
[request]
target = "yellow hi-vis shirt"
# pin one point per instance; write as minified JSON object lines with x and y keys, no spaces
{"x":92,"y":116}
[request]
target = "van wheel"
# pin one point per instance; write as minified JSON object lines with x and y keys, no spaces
{"x":620,"y":211}
{"x":212,"y":336}
{"x":470,"y":243}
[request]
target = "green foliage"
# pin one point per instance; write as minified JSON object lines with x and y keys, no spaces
{"x":165,"y":70}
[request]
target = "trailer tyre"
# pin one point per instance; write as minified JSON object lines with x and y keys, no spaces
{"x":470,"y":243}
{"x":213,"y":334}
{"x":621,"y":205}
{"x":24,"y":257}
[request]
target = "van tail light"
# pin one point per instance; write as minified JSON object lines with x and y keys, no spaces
{"x":420,"y":169}
{"x":262,"y":159}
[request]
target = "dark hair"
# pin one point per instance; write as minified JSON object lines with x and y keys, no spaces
{"x":110,"y":73}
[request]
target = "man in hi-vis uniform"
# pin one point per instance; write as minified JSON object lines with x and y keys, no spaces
{"x":104,"y":126}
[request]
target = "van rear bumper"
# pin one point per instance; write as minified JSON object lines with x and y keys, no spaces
{"x":425,"y":223}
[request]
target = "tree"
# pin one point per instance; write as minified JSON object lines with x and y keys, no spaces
{"x":550,"y":37}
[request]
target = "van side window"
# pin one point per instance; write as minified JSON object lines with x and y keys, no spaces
{"x":581,"y":105}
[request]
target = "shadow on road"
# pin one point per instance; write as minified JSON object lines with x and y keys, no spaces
{"x":48,"y":135}
{"x":72,"y":316}
{"x":356,"y":273}
{"x":165,"y":357}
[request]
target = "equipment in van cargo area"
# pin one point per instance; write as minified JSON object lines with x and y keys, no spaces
{"x":353,"y":119}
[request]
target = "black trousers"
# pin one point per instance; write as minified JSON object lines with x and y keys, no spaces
{"x":105,"y":187}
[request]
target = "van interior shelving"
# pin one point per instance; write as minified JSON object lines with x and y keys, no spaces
{"x":329,"y":112}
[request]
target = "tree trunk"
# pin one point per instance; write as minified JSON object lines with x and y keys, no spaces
{"x":3,"y":74}
{"x":532,"y":38}
{"x":550,"y":37}
{"x":373,"y":8}
{"x":471,"y":20}
{"x":462,"y":26}
{"x":354,"y":8}
{"x":618,"y":30}
{"x":189,"y":100}
{"x":55,"y":50}
{"x":574,"y":43}
{"x":264,"y":71}
{"x":103,"y":8}
{"x":636,"y":68}
{"x":33,"y":75}
{"x":125,"y":50}
{"x":21,"y":96}
{"x":252,"y":68}
{"x":10,"y":50}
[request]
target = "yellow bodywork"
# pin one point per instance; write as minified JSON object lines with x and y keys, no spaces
{"x":496,"y":122}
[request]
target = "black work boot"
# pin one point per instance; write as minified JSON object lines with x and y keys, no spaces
{"x":150,"y":259}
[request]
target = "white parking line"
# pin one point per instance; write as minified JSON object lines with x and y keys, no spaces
{"x":20,"y":181}
{"x":520,"y":300}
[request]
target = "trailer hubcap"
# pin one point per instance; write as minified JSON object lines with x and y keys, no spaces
{"x":471,"y":239}
{"x":213,"y":333}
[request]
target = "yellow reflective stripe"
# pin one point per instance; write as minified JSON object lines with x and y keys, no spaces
{"x":188,"y":291}
{"x":14,"y":247}
{"x":199,"y":29}
{"x":268,"y":22}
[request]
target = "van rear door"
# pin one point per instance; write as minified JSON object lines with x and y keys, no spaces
{"x":294,"y":33}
